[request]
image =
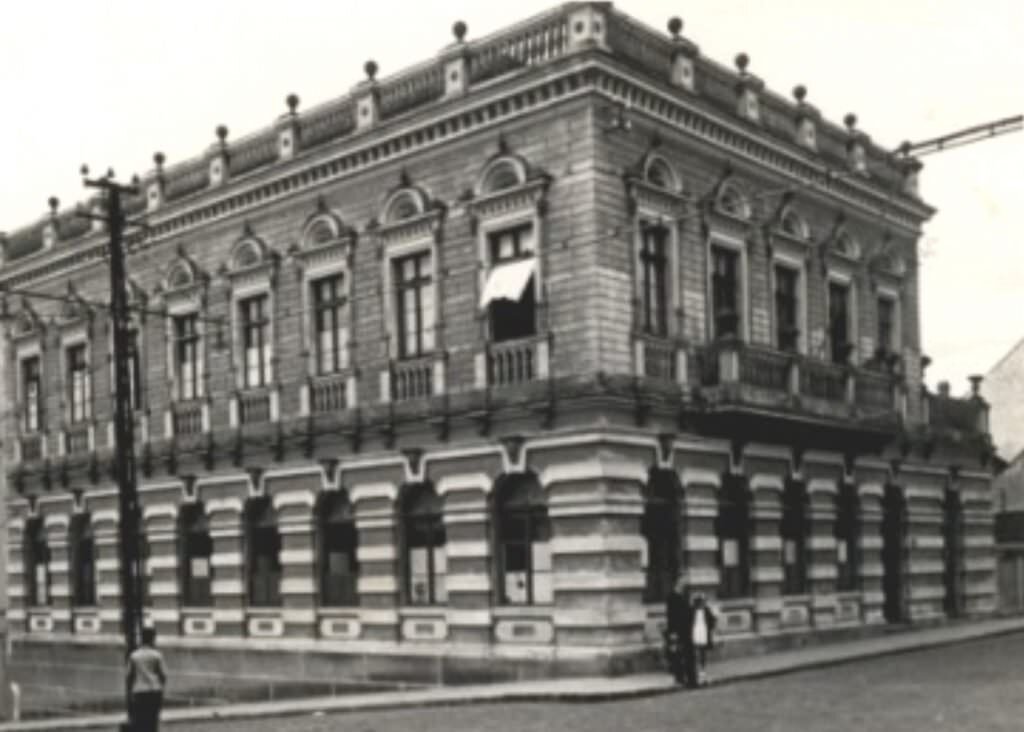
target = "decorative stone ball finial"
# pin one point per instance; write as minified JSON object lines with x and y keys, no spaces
{"x":84,"y":170}
{"x":54,"y":203}
{"x":850,"y":121}
{"x":905,"y":148}
{"x":675,"y":26}
{"x":222,"y":133}
{"x":111,"y":174}
{"x":370,"y":67}
{"x":292,"y":100}
{"x":459,"y":31}
{"x":742,"y":61}
{"x":136,"y":180}
{"x":800,"y":93}
{"x":158,"y":158}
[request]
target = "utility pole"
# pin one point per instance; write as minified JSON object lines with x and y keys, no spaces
{"x":124,"y":428}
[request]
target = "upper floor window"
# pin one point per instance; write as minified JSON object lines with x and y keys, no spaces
{"x":78,"y":383}
{"x":887,"y":325}
{"x":414,"y":294}
{"x":794,"y":538}
{"x":134,"y":369}
{"x":510,"y":291}
{"x":36,"y":553}
{"x":725,"y":291}
{"x":338,"y":542}
{"x":255,"y":327}
{"x":263,"y":551}
{"x":839,"y":321}
{"x":787,"y":327}
{"x":196,"y":550}
{"x":733,"y":529}
{"x":523,"y":533}
{"x":32,"y":393}
{"x":82,"y":555}
{"x":660,"y":530}
{"x":654,"y":279}
{"x":330,"y":324}
{"x":425,"y":558}
{"x":186,"y":356}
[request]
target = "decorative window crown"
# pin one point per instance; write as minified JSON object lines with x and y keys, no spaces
{"x":794,"y":225}
{"x":732,"y":203}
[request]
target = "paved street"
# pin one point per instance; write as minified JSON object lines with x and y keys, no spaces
{"x":976,"y":686}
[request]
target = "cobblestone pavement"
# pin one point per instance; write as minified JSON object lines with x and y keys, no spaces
{"x":970,"y":686}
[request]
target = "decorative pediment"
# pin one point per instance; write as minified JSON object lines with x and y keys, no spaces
{"x":730,"y":201}
{"x":502,"y":172}
{"x":793,"y":225}
{"x":251,"y":263}
{"x":325,"y":240}
{"x":183,"y":274}
{"x":409,"y":213}
{"x":507,"y":183}
{"x":74,"y":310}
{"x":653,"y":184}
{"x":845,"y":245}
{"x":27,"y":323}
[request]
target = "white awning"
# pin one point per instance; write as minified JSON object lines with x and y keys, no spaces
{"x":508,"y":281}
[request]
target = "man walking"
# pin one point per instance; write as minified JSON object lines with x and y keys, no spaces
{"x":147,"y":678}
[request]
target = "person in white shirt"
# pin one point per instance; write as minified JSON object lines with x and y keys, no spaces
{"x":702,"y":635}
{"x":147,"y":677}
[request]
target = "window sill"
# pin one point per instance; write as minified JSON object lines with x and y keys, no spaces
{"x":264,"y":610}
{"x":197,"y":609}
{"x":796,"y":599}
{"x":330,"y":611}
{"x":736,"y":603}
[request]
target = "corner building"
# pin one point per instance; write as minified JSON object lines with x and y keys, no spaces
{"x":447,"y":379}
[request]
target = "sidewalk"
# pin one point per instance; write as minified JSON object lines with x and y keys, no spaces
{"x":578,"y":689}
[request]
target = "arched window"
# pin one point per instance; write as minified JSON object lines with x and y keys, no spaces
{"x":846,"y":531}
{"x":733,"y":529}
{"x":196,"y":548}
{"x":794,"y":538}
{"x":426,"y":562}
{"x":82,"y":550}
{"x":660,"y":530}
{"x":248,"y":253}
{"x":36,"y":558}
{"x":320,"y":231}
{"x":263,"y":545}
{"x":337,"y":562}
{"x":523,"y":534}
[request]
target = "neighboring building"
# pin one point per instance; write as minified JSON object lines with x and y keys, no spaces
{"x":447,"y":379}
{"x":1004,"y":390}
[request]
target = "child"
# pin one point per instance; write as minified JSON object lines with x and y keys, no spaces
{"x":702,"y":635}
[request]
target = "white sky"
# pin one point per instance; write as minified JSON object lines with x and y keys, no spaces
{"x":110,"y":83}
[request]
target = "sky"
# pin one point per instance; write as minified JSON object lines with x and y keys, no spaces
{"x":110,"y":83}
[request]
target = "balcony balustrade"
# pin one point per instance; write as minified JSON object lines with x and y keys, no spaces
{"x":512,"y":362}
{"x":328,"y":393}
{"x":412,"y":378}
{"x":765,"y":375}
{"x":188,"y":419}
{"x":254,"y":407}
{"x":76,"y":438}
{"x":32,"y":447}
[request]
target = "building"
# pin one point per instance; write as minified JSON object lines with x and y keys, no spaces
{"x":448,"y":378}
{"x":1003,"y":385}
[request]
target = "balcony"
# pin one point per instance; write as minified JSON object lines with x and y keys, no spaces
{"x":517,"y":362}
{"x":77,"y":438}
{"x":254,"y":407}
{"x":412,"y":378}
{"x":759,"y":377}
{"x":328,"y":393}
{"x":187,"y":418}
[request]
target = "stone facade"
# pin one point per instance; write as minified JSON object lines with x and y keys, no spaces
{"x":504,"y":498}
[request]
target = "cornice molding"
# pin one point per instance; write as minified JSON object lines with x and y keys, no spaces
{"x":570,"y":77}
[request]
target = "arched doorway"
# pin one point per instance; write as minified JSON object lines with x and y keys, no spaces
{"x":894,"y":510}
{"x":952,"y":552}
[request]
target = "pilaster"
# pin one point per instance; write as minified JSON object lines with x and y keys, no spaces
{"x":468,"y":550}
{"x":297,"y":525}
{"x":377,"y":555}
{"x":227,"y":562}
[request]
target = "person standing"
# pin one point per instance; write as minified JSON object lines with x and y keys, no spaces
{"x":703,"y":621}
{"x":147,"y":678}
{"x":678,"y":633}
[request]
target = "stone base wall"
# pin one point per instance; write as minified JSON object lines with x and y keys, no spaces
{"x":593,"y":612}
